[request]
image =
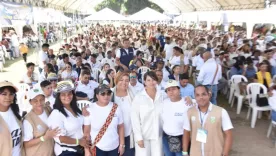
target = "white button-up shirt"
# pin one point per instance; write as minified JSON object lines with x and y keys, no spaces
{"x":87,"y":88}
{"x":198,"y":62}
{"x":207,"y":73}
{"x":146,"y":116}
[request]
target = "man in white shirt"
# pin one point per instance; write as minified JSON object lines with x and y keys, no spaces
{"x":206,"y":124}
{"x":15,"y":43}
{"x":93,"y":62}
{"x":46,"y":87}
{"x":134,"y":85}
{"x":209,"y":75}
{"x":109,"y":59}
{"x":43,"y":57}
{"x":168,"y":49}
{"x":85,"y":86}
{"x":100,"y":54}
{"x":160,"y":65}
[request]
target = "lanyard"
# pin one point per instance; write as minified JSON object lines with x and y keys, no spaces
{"x":202,"y":119}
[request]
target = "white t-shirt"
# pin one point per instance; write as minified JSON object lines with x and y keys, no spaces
{"x":175,"y":60}
{"x":27,"y":79}
{"x":87,"y":89}
{"x":70,"y":126}
{"x":111,"y":62}
{"x":137,"y":88}
{"x":173,"y":114}
{"x":14,"y":129}
{"x":42,"y":57}
{"x":28,"y":128}
{"x":169,"y":50}
{"x":125,"y":105}
{"x":100,"y":57}
{"x":96,"y":120}
{"x":66,"y":75}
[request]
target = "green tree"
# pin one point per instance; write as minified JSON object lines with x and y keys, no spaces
{"x":114,"y":5}
{"x":131,"y":6}
{"x":134,"y":6}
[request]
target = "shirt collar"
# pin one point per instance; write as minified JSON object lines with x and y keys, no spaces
{"x":209,"y":108}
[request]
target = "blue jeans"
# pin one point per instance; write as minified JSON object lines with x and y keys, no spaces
{"x":166,"y":148}
{"x":128,"y":151}
{"x":99,"y":152}
{"x":214,"y":93}
{"x":273,"y":115}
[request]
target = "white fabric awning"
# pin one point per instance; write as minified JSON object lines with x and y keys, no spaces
{"x":105,"y":15}
{"x":148,"y":14}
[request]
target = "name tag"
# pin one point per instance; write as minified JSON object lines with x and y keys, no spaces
{"x":178,"y":114}
{"x":201,"y":135}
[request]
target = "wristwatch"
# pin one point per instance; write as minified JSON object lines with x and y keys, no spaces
{"x":123,"y":146}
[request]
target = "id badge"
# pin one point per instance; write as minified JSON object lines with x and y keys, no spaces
{"x":201,"y":135}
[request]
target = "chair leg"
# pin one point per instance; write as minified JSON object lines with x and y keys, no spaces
{"x":231,"y":95}
{"x":260,"y":114}
{"x":269,"y":130}
{"x":232,"y":101}
{"x":248,"y":113}
{"x":254,"y":117}
{"x":239,"y":105}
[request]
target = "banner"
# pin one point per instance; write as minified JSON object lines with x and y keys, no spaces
{"x":15,"y":14}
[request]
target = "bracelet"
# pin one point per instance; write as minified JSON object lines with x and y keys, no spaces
{"x":77,"y":141}
{"x":42,"y":139}
{"x":184,"y":153}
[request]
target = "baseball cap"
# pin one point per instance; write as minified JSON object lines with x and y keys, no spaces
{"x":34,"y":92}
{"x":172,"y":83}
{"x":8,"y":84}
{"x":103,"y":88}
{"x":64,"y":86}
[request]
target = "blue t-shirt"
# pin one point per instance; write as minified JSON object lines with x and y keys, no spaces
{"x":161,"y":38}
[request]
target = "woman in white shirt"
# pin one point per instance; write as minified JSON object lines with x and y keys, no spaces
{"x":110,"y":141}
{"x":180,"y":59}
{"x":109,"y":78}
{"x":68,"y":118}
{"x":146,"y":118}
{"x":10,"y":121}
{"x":69,"y":73}
{"x":48,"y":68}
{"x":173,"y":113}
{"x":123,"y":96}
{"x":105,"y":68}
{"x":38,"y":138}
{"x":30,"y":77}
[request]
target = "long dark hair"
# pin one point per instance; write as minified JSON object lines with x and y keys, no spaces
{"x":59,"y":106}
{"x":106,"y":76}
{"x":14,"y":106}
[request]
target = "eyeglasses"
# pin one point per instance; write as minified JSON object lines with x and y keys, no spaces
{"x":108,"y":93}
{"x":132,"y":77}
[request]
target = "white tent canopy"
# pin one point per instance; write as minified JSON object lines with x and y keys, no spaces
{"x":105,"y":15}
{"x":148,"y":14}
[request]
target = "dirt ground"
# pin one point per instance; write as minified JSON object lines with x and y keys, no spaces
{"x":247,"y":141}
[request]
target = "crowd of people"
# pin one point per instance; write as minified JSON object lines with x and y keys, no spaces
{"x":136,"y":79}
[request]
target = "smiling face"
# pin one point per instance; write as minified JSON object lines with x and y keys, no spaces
{"x":150,"y":83}
{"x":202,"y":96}
{"x":6,"y":97}
{"x":38,"y":103}
{"x":66,"y":97}
{"x":123,"y":82}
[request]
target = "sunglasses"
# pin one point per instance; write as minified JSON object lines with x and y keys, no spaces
{"x":108,"y":93}
{"x":132,"y":77}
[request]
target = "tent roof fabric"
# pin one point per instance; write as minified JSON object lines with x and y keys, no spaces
{"x":105,"y":14}
{"x":148,"y":14}
{"x":172,"y":5}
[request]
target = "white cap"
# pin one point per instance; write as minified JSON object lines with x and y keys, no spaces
{"x":171,"y":83}
{"x":203,"y":46}
{"x":35,"y":92}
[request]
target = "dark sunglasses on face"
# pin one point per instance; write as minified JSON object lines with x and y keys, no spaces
{"x":108,"y":93}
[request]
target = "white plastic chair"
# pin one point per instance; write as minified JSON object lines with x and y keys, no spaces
{"x":83,"y":103}
{"x":253,"y":89}
{"x":237,"y":94}
{"x":22,"y":97}
{"x":95,"y":73}
{"x":143,"y":70}
{"x":235,"y":80}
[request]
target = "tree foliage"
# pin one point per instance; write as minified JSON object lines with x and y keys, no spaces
{"x":131,"y":6}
